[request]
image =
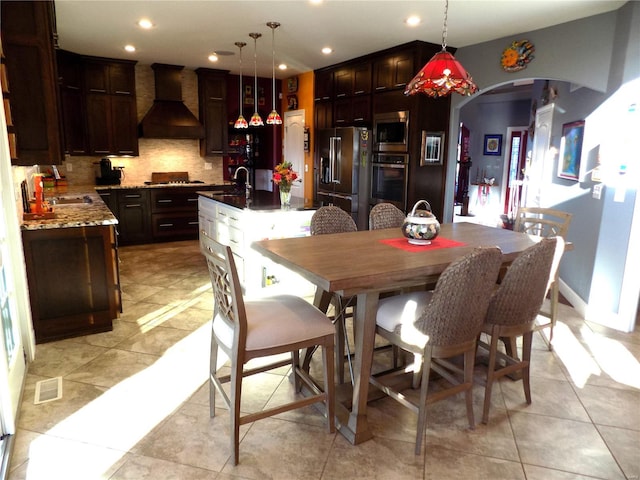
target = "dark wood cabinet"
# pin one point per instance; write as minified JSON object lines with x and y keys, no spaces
{"x":323,"y":85}
{"x":72,"y":103}
{"x":174,"y":213}
{"x":73,"y":280}
{"x":343,"y":82}
{"x":362,"y":79}
{"x":111,"y":106}
{"x":393,"y":70}
{"x":134,"y":216}
{"x":324,"y":114}
{"x":28,"y":43}
{"x":212,"y":100}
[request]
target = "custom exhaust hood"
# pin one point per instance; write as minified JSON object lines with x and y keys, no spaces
{"x":169,"y":117}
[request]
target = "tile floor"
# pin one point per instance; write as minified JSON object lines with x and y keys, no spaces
{"x":135,"y":405}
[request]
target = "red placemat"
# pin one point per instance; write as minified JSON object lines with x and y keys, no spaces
{"x":436,"y":243}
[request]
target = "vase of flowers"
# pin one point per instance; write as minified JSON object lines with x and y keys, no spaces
{"x":283,"y":177}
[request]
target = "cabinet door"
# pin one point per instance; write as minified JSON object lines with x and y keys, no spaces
{"x":383,"y":74}
{"x":343,"y":79}
{"x":96,"y":77}
{"x":74,"y":122}
{"x":404,"y":69}
{"x":124,"y":125}
{"x":122,"y":79}
{"x":343,"y":112}
{"x":27,"y":42}
{"x":99,"y":123}
{"x":362,"y":79}
{"x":324,"y":114}
{"x":361,"y":110}
{"x":212,"y":99}
{"x":134,"y":216}
{"x":215,"y":128}
{"x":323,"y":85}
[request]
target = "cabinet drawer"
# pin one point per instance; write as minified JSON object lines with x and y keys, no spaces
{"x":229,"y":216}
{"x":174,"y":199}
{"x":174,"y":225}
{"x":231,"y":236}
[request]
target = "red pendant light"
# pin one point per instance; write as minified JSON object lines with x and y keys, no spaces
{"x":274,"y":117}
{"x":442,"y":74}
{"x":256,"y":119}
{"x":240,"y":122}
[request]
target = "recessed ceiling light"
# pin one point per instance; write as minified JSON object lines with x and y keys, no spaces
{"x":327,"y":50}
{"x":130,"y":48}
{"x":282,"y":66}
{"x":213,"y":57}
{"x":145,"y":23}
{"x":413,"y":21}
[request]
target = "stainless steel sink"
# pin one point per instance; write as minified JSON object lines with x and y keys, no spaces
{"x":70,"y":200}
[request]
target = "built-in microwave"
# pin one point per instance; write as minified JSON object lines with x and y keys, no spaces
{"x":391,"y":131}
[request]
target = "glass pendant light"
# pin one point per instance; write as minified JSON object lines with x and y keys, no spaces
{"x":256,"y":119}
{"x":240,"y":122}
{"x":274,"y":116}
{"x":442,"y":74}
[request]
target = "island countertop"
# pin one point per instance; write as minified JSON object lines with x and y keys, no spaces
{"x":259,"y":200}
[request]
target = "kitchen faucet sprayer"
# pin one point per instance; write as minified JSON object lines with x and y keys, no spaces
{"x":247,"y":185}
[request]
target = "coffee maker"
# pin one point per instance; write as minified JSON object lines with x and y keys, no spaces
{"x":106,"y":174}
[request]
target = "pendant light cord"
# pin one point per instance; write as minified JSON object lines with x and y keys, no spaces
{"x":444,"y":26}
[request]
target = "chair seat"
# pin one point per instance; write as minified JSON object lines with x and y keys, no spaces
{"x":401,"y":310}
{"x":278,"y":321}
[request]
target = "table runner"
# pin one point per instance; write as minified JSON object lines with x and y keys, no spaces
{"x":439,"y":242}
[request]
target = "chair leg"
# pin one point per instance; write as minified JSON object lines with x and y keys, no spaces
{"x":425,"y":368}
{"x":469,"y":363}
{"x":493,"y":349}
{"x":555,"y":294}
{"x":418,"y":366}
{"x":295,"y":364}
{"x":526,"y":358}
{"x":234,"y":414}
{"x":213,"y":366}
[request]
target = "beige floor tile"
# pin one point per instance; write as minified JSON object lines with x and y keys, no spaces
{"x":154,"y":341}
{"x":540,"y":473}
{"x":57,"y":359}
{"x":611,"y":406}
{"x":112,"y":367}
{"x":548,"y":397}
{"x":625,"y":446}
{"x":445,"y":464}
{"x":138,"y":467}
{"x":121,"y":330}
{"x":379,"y":458}
{"x":280,"y":449}
{"x":561,"y":444}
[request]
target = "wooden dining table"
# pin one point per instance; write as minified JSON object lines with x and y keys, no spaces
{"x":366,"y":263}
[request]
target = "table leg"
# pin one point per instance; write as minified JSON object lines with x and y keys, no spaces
{"x":357,"y":429}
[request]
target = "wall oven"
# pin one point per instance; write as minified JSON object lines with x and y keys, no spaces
{"x":389,"y":179}
{"x":391,"y":132}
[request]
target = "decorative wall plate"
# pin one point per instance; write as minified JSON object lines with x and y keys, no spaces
{"x":516,"y":56}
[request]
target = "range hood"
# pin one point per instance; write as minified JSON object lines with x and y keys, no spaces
{"x":169,"y":117}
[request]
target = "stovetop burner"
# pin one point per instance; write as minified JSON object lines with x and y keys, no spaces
{"x":174,"y":182}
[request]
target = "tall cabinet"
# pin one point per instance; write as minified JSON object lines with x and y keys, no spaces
{"x":28,"y":41}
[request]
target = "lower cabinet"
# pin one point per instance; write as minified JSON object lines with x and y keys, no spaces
{"x":174,"y":213}
{"x":134,"y":216}
{"x":73,"y":280}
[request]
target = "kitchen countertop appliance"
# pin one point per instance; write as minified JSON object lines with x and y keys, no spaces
{"x":106,"y":174}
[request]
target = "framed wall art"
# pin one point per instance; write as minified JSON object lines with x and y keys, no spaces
{"x":571,"y":150}
{"x":432,"y":148}
{"x":493,"y":144}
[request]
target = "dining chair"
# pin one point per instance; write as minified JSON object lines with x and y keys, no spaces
{"x":245,"y":330}
{"x":385,"y":215}
{"x":437,"y":326}
{"x":512,"y":313}
{"x":327,"y":220}
{"x":545,"y":222}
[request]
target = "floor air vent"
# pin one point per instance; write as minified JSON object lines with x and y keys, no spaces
{"x":48,"y":390}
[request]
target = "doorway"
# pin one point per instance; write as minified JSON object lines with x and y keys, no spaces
{"x":294,"y":147}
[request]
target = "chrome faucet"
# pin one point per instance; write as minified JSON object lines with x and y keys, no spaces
{"x":247,"y":185}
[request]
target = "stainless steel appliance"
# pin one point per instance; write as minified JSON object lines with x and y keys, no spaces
{"x":391,"y":132}
{"x":389,"y":174}
{"x":342,"y":170}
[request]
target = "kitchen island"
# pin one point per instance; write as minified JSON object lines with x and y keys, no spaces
{"x":238,"y":221}
{"x":71,"y":264}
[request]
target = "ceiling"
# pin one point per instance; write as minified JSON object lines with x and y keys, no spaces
{"x":186,"y":32}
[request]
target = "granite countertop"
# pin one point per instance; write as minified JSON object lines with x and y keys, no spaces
{"x":259,"y":200}
{"x":226,"y":186}
{"x":87,"y":210}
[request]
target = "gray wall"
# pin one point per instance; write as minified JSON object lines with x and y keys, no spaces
{"x":601,"y":53}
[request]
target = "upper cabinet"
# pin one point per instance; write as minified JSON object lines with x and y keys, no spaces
{"x":393,"y":71}
{"x":98,"y":101}
{"x":212,"y":103}
{"x":28,"y":31}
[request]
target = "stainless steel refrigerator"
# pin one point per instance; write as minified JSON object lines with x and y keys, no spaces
{"x":342,"y":170}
